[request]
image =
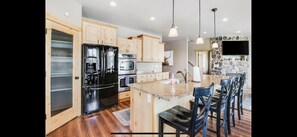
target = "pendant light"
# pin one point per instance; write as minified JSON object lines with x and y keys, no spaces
{"x":199,"y":39}
{"x":215,"y":44}
{"x":173,"y":30}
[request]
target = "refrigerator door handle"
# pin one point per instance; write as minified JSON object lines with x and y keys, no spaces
{"x":102,"y":88}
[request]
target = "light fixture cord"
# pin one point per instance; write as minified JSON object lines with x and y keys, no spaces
{"x":199,"y":18}
{"x":173,"y":15}
{"x":214,"y":23}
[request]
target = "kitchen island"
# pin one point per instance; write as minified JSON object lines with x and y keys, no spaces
{"x":148,"y":99}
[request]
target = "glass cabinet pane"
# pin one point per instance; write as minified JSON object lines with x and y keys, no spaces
{"x":61,"y":71}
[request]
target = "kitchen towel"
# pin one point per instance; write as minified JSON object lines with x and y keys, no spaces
{"x":196,"y":74}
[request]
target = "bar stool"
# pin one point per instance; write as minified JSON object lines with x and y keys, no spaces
{"x":189,"y":121}
{"x":220,"y":104}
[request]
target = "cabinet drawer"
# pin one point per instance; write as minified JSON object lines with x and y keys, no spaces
{"x":159,"y":76}
{"x":150,"y":77}
{"x":140,"y":80}
{"x":165,"y":75}
{"x":124,"y":95}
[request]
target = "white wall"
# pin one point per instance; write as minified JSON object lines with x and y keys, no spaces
{"x":58,"y":8}
{"x":180,"y":55}
{"x":124,"y":32}
{"x":193,"y":47}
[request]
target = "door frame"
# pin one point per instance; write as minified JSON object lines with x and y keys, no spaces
{"x":197,"y":58}
{"x":56,"y":121}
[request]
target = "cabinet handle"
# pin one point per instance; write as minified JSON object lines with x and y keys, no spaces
{"x":76,"y":77}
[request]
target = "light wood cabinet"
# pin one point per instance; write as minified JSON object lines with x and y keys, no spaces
{"x":123,"y":96}
{"x":95,"y":32}
{"x":141,"y":78}
{"x":63,"y":71}
{"x":126,"y":46}
{"x":150,"y":77}
{"x":165,"y":75}
{"x":138,"y":47}
{"x":92,"y":33}
{"x":150,"y":48}
{"x":159,"y":76}
{"x":160,"y":52}
{"x":109,"y":36}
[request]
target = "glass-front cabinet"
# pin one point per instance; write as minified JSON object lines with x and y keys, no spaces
{"x":62,"y":74}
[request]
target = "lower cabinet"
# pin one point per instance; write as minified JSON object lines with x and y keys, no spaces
{"x":123,"y":96}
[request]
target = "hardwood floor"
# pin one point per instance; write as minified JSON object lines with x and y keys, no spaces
{"x":102,"y":123}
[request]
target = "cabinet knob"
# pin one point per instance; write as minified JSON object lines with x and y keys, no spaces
{"x":76,"y":77}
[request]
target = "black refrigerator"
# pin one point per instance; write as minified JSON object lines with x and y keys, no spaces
{"x":99,"y":77}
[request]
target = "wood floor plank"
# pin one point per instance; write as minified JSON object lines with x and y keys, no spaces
{"x":102,"y":123}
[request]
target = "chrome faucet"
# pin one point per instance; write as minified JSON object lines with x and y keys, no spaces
{"x":184,"y":75}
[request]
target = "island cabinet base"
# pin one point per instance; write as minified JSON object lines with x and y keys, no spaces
{"x":145,"y":108}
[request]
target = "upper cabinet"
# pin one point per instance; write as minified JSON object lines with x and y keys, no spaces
{"x":92,"y":33}
{"x":152,"y":49}
{"x":137,"y":47}
{"x":95,"y":32}
{"x":109,"y":35}
{"x":127,"y":46}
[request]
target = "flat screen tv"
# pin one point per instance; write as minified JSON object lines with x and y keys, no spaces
{"x":235,"y":47}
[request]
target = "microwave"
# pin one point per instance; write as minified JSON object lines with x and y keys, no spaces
{"x":127,"y":64}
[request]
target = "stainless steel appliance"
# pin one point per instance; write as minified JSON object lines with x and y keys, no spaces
{"x":127,"y":71}
{"x":127,"y":64}
{"x":124,"y":80}
{"x":99,"y":77}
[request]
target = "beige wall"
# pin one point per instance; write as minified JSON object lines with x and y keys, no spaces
{"x":58,"y":8}
{"x":193,"y":47}
{"x":180,"y":55}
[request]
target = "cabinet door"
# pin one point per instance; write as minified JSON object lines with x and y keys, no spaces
{"x":147,"y":43}
{"x":159,"y":76}
{"x":132,"y":47}
{"x":138,"y":45}
{"x":91,"y":33}
{"x":122,"y":44}
{"x":62,"y":68}
{"x":160,"y":51}
{"x":109,"y":36}
{"x":154,"y":50}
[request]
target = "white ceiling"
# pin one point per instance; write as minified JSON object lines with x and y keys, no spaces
{"x":135,"y":14}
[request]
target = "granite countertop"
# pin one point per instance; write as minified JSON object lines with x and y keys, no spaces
{"x":141,"y":73}
{"x":164,"y":90}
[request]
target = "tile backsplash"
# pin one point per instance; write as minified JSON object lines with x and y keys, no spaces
{"x":149,"y":67}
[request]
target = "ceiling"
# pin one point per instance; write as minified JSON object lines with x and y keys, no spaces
{"x":135,"y":14}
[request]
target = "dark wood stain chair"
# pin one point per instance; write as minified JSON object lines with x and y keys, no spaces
{"x":189,"y":121}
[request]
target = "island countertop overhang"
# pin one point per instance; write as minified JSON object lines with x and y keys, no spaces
{"x":162,"y":89}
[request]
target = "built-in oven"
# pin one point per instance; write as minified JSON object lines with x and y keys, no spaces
{"x":127,"y":64}
{"x":124,"y":80}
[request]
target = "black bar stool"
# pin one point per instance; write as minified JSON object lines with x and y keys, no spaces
{"x":189,"y":121}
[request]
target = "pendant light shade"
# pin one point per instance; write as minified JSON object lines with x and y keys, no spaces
{"x":215,"y":44}
{"x":199,"y":39}
{"x":173,"y":30}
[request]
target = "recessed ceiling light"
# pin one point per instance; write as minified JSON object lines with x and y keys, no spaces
{"x":238,"y":31}
{"x":225,"y":19}
{"x":204,"y":32}
{"x":152,"y":18}
{"x":112,"y":3}
{"x":66,"y":14}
